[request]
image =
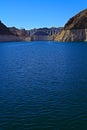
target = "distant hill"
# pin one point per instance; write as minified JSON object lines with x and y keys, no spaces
{"x":21,"y":33}
{"x":36,"y":34}
{"x":44,"y":34}
{"x":75,"y":29}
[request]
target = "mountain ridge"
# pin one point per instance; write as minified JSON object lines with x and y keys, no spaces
{"x":79,"y":21}
{"x":75,"y":30}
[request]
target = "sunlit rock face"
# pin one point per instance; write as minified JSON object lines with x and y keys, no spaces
{"x":75,"y":29}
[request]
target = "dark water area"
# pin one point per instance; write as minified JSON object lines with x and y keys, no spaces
{"x":43,"y":86}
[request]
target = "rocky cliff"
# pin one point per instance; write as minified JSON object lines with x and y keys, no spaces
{"x":4,"y":30}
{"x":75,"y":29}
{"x":21,"y":33}
{"x":6,"y":34}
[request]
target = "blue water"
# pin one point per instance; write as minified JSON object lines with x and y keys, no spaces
{"x":43,"y":86}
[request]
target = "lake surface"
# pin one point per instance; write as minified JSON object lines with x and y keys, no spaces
{"x":43,"y":86}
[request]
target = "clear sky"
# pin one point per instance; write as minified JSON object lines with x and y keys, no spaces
{"x":39,"y":13}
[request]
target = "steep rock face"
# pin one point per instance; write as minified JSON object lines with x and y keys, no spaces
{"x":72,"y":35}
{"x":75,"y":29}
{"x":6,"y":35}
{"x":4,"y":30}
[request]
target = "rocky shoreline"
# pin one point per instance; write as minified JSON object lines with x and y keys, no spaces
{"x":9,"y":38}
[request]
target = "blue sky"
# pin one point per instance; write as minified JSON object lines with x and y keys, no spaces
{"x":39,"y":13}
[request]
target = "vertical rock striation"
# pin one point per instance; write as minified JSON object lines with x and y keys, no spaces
{"x":75,"y":29}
